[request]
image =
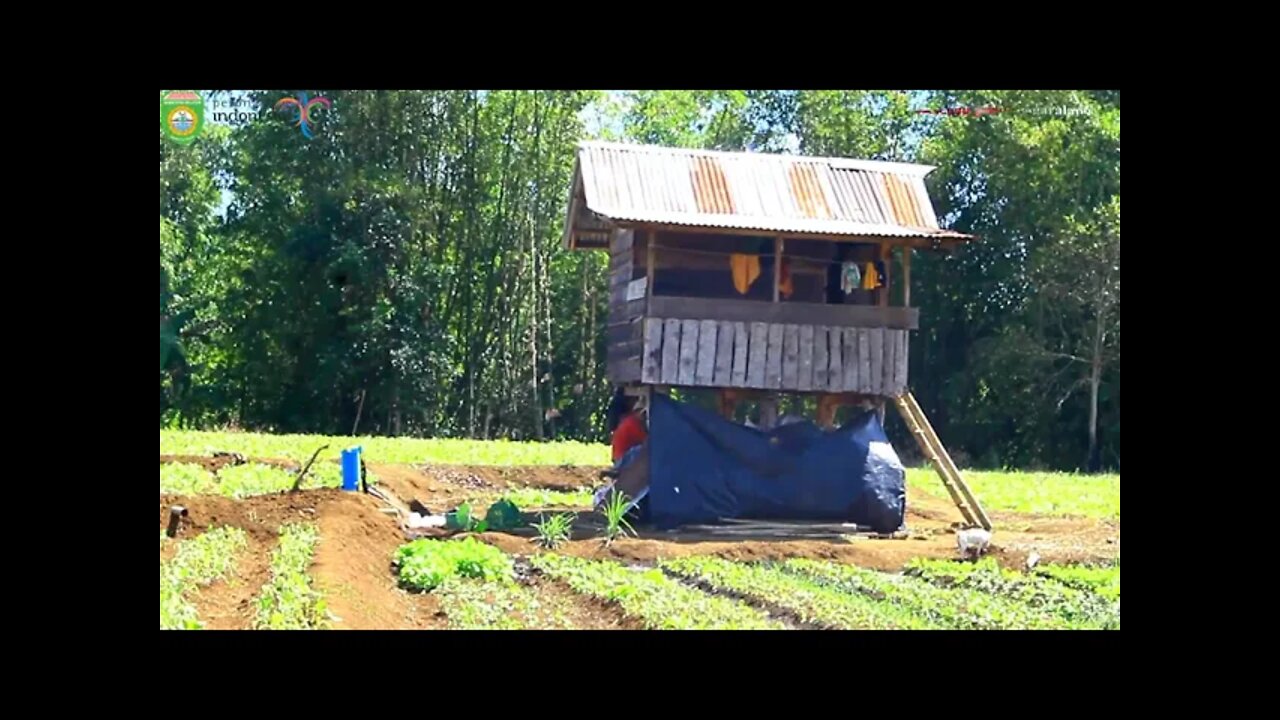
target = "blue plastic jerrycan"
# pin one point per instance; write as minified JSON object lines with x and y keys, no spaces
{"x":351,"y":468}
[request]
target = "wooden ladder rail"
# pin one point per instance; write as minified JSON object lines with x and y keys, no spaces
{"x":933,"y":449}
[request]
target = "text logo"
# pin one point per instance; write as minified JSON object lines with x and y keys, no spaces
{"x":963,"y":111}
{"x":303,"y":107}
{"x":181,"y":115}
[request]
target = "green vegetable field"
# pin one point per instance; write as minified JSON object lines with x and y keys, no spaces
{"x":328,"y":559}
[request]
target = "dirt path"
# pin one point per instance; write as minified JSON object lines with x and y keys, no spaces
{"x":230,"y":604}
{"x":353,"y":569}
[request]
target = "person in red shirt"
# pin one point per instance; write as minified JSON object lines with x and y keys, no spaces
{"x":625,"y":424}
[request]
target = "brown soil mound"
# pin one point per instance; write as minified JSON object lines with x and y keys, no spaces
{"x":352,"y":566}
{"x":353,"y":569}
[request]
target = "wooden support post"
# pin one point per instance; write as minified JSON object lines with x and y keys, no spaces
{"x":886,"y":255}
{"x":728,"y":403}
{"x":906,"y":277}
{"x":768,"y":412}
{"x":828,"y":404}
{"x":648,"y":270}
{"x":777,"y":267}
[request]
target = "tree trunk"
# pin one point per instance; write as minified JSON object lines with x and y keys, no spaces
{"x":1094,"y":462}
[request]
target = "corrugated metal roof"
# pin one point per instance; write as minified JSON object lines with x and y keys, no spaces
{"x":757,"y":191}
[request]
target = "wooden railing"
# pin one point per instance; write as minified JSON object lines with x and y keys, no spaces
{"x":773,"y":356}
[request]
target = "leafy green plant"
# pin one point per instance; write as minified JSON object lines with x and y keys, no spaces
{"x":288,"y":600}
{"x":554,"y":531}
{"x":471,"y":604}
{"x":1101,"y":579}
{"x":1080,"y":608}
{"x":462,"y":519}
{"x":651,"y":597}
{"x":958,"y":608}
{"x":198,"y":561}
{"x":811,"y":602}
{"x":425,"y":563}
{"x":615,"y":511}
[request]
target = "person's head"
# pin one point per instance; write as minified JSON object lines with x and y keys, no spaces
{"x":619,"y":406}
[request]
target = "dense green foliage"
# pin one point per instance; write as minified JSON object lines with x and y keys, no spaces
{"x":424,"y":564}
{"x":401,"y":273}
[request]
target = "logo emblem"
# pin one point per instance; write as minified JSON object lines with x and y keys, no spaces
{"x":181,"y":115}
{"x":303,"y":108}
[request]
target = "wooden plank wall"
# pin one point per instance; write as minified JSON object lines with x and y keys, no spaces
{"x":626,"y":341}
{"x":774,"y":356}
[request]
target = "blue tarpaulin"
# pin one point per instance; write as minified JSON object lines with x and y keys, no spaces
{"x":704,"y":468}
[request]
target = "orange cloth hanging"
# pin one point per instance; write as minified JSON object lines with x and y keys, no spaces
{"x":745,"y":268}
{"x":870,"y":278}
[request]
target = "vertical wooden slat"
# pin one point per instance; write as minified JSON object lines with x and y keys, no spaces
{"x":850,"y":337}
{"x":805,"y":379}
{"x":877,"y":360}
{"x":688,"y":351}
{"x":706,"y":368}
{"x":821,"y":359}
{"x":773,"y":363}
{"x":724,"y":355}
{"x":835,"y":363}
{"x":790,"y":356}
{"x":650,"y":252}
{"x":890,"y":353}
{"x":906,"y":277}
{"x":864,"y":361}
{"x":757,"y":351}
{"x":670,"y":352}
{"x":652,"y":371}
{"x":777,"y":266}
{"x":739,"y":378}
{"x":886,"y":256}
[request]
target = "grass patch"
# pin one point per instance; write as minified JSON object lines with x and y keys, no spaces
{"x":1094,"y":496}
{"x":386,"y":450}
{"x":534,"y":498}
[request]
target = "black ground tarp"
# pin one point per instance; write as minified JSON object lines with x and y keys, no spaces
{"x":703,"y":468}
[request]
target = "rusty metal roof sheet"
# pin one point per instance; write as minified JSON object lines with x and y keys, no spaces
{"x":757,"y":191}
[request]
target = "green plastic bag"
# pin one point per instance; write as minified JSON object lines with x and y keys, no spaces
{"x":503,"y":515}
